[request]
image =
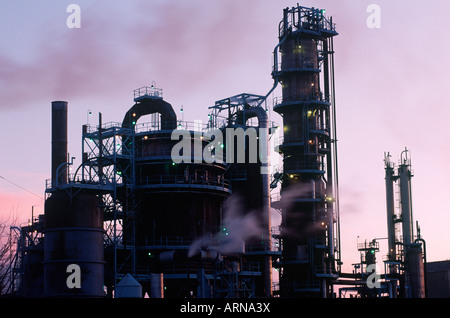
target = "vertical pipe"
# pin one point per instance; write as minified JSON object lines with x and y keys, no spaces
{"x":59,"y":142}
{"x":100,"y":148}
{"x":84,"y":131}
{"x":335,"y":149}
{"x":263,"y":123}
{"x":330,"y":177}
{"x":266,"y":205}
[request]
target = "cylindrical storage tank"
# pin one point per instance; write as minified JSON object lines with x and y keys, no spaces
{"x":59,"y":142}
{"x":157,"y":285}
{"x":73,"y":246}
{"x":416,"y":273}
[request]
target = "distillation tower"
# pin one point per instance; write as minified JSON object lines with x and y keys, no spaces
{"x":309,"y":230}
{"x":406,"y":251}
{"x":405,"y":261}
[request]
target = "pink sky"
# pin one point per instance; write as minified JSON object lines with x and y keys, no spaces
{"x":391,"y":89}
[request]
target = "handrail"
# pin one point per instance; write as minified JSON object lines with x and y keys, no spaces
{"x":147,"y":91}
{"x":153,"y":126}
{"x":181,"y":179}
{"x":309,"y":19}
{"x":314,"y":96}
{"x":180,"y":125}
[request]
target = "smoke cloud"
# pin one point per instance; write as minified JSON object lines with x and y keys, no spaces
{"x":172,"y":42}
{"x":238,"y":228}
{"x":297,"y":216}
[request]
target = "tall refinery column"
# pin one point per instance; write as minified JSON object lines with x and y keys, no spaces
{"x":414,"y":262}
{"x":404,"y":173}
{"x":390,"y":207}
{"x":309,"y":217}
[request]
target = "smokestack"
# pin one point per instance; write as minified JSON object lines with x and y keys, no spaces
{"x":59,"y":142}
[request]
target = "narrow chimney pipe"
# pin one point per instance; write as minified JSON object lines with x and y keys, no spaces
{"x":59,"y":142}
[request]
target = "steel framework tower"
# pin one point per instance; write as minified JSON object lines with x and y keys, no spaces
{"x":310,"y":218}
{"x":248,"y":113}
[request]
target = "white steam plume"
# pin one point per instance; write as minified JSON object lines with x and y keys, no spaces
{"x":238,"y":227}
